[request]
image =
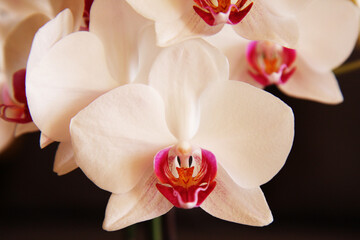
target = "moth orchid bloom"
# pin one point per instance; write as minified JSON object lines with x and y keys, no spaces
{"x":178,"y":20}
{"x":189,"y":138}
{"x":304,"y":72}
{"x":64,"y":76}
{"x":21,"y":21}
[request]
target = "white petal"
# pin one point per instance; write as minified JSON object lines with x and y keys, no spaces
{"x":120,"y":42}
{"x":148,"y":51}
{"x":180,"y":74}
{"x":308,"y":83}
{"x":234,"y":48}
{"x":161,"y":10}
{"x":45,"y":141}
{"x":142,"y":203}
{"x":188,"y":26}
{"x":6,"y":133}
{"x":76,"y":7}
{"x":48,"y":35}
{"x":249,"y":131}
{"x":25,"y":128}
{"x":230,"y":202}
{"x":117,"y":136}
{"x":66,"y":80}
{"x":18,"y":44}
{"x":265,"y":22}
{"x":328,"y":32}
{"x":64,"y":159}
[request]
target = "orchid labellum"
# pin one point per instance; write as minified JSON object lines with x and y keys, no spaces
{"x":306,"y":71}
{"x":177,"y":20}
{"x":189,"y":138}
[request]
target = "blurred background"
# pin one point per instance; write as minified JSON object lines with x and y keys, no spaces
{"x":315,"y":196}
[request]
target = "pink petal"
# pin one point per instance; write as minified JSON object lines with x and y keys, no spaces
{"x":64,"y":159}
{"x":180,"y":74}
{"x":233,"y":203}
{"x":65,"y":81}
{"x":115,"y":143}
{"x":311,"y":84}
{"x":142,"y":203}
{"x":249,"y":131}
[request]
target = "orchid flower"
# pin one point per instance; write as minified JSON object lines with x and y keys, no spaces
{"x":64,"y":76}
{"x":328,"y":32}
{"x":189,"y":138}
{"x":21,"y":21}
{"x":178,"y":20}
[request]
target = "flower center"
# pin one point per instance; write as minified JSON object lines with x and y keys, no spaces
{"x":186,"y":174}
{"x":15,"y":110}
{"x":215,"y":12}
{"x":270,"y":62}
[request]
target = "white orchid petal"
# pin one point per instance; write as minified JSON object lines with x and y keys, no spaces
{"x":66,"y":80}
{"x":142,"y":203}
{"x":161,"y":9}
{"x":120,"y":42}
{"x":230,"y":202}
{"x":18,"y":44}
{"x":180,"y":74}
{"x":25,"y":128}
{"x":190,"y":25}
{"x":308,"y":83}
{"x":64,"y":159}
{"x":249,"y":131}
{"x":76,"y":7}
{"x":48,"y":35}
{"x":148,"y":51}
{"x":328,"y":32}
{"x":117,"y":136}
{"x":45,"y":140}
{"x":265,"y":22}
{"x":234,"y":48}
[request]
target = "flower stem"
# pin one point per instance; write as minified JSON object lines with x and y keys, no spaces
{"x":156,"y":229}
{"x":348,"y":67}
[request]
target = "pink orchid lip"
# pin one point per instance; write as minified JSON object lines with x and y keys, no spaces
{"x":186,"y":176}
{"x":270,"y":62}
{"x":15,"y":110}
{"x":223,"y":12}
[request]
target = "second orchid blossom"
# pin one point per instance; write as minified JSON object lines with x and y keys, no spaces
{"x":327,"y":34}
{"x":190,"y":138}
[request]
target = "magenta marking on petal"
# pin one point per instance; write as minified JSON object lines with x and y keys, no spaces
{"x":207,"y":17}
{"x":222,"y":12}
{"x":236,"y":16}
{"x":186,"y":176}
{"x":19,"y":86}
{"x":13,"y":111}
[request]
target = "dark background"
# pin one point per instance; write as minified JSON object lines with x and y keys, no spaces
{"x":315,"y":196}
